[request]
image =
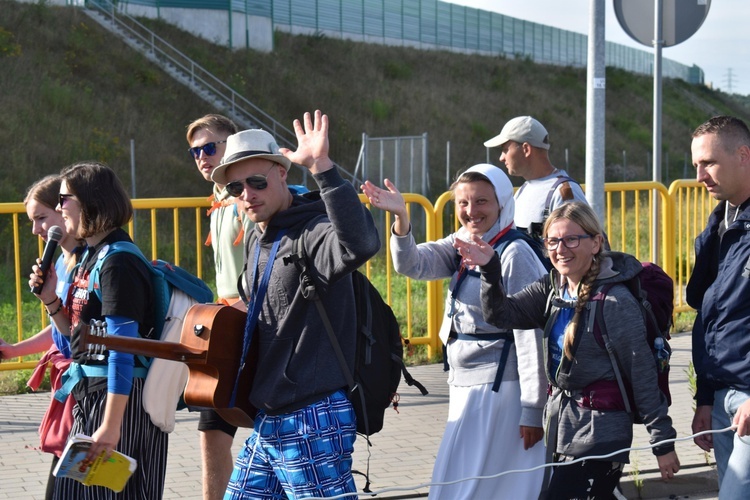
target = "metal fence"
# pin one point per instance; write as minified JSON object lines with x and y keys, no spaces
{"x":432,"y":24}
{"x":173,"y":229}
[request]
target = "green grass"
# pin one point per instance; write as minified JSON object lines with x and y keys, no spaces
{"x":88,"y":95}
{"x":14,"y":382}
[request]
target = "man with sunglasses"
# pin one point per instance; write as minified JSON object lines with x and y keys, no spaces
{"x":304,"y":432}
{"x":207,"y":137}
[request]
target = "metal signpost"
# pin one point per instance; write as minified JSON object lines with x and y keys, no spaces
{"x":660,"y":23}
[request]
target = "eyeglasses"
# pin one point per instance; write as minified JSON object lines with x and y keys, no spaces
{"x":64,"y":199}
{"x":572,"y":241}
{"x":259,"y":182}
{"x":209,"y":149}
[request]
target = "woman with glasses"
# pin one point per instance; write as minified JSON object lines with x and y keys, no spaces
{"x":581,"y":423}
{"x":108,"y":389}
{"x":496,"y":379}
{"x":40,"y":202}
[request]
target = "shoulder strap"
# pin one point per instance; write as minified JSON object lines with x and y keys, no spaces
{"x":569,"y":192}
{"x":309,"y":291}
{"x":596,"y":322}
{"x":117,"y":246}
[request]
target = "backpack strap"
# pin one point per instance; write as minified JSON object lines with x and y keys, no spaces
{"x":500,"y":245}
{"x":596,"y":326}
{"x":309,"y":292}
{"x":95,"y":284}
{"x":566,"y":192}
{"x":117,"y":246}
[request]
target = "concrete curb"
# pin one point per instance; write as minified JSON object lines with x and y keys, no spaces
{"x":694,"y":482}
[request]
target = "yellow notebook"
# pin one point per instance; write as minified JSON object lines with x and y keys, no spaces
{"x":112,"y":473}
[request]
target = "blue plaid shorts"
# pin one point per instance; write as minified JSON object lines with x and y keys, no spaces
{"x":303,"y":454}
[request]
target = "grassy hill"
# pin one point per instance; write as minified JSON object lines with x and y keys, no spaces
{"x":71,"y":91}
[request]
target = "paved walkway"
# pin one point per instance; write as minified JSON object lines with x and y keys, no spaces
{"x":401,"y":455}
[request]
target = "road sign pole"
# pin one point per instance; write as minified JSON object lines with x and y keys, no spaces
{"x":658,"y":43}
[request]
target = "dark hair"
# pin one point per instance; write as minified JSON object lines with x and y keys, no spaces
{"x":217,"y":123}
{"x":45,"y":191}
{"x":105,"y":205}
{"x":732,"y":131}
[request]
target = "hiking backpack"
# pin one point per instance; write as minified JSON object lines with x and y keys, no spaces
{"x":175,"y":291}
{"x":654,"y":291}
{"x":378,"y":363}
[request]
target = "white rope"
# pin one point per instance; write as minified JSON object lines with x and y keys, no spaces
{"x":518,"y":471}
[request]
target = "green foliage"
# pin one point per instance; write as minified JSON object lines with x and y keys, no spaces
{"x":96,"y":94}
{"x":8,"y":46}
{"x":570,"y":78}
{"x":480,"y":132}
{"x":380,"y":110}
{"x":635,"y":132}
{"x":500,"y":80}
{"x":683,"y":322}
{"x":14,"y":382}
{"x":396,"y":70}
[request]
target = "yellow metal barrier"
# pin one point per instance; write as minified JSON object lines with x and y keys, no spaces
{"x":150,"y":228}
{"x":692,"y":206}
{"x":684,"y":209}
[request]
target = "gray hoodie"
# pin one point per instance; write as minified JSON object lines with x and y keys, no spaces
{"x":297,"y":365}
{"x":582,"y":431}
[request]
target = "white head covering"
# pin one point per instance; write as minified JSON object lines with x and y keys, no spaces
{"x":503,"y":191}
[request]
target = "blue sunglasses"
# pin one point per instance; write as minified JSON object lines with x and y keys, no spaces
{"x":209,"y":149}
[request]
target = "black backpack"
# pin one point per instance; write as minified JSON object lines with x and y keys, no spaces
{"x":378,"y":364}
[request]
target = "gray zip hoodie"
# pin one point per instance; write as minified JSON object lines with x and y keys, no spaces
{"x":582,"y":431}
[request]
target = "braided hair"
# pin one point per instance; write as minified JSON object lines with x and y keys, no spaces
{"x":583,"y":215}
{"x":584,"y":291}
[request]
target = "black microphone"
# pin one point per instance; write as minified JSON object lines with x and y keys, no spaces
{"x":54,"y":235}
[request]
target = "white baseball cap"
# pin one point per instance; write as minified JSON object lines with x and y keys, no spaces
{"x":521,"y":129}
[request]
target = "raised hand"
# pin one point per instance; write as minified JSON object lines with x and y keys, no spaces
{"x":312,"y":143}
{"x":389,"y":199}
{"x":475,"y":252}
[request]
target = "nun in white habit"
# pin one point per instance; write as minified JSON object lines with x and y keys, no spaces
{"x":497,"y":382}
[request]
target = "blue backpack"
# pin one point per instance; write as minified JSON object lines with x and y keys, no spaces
{"x":175,"y":291}
{"x":165,"y":280}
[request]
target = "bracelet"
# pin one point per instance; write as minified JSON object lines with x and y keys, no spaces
{"x":50,"y":303}
{"x":56,"y":310}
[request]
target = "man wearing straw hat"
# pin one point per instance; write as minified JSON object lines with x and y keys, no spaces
{"x":304,"y":431}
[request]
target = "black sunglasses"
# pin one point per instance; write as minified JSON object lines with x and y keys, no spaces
{"x":208,"y":148}
{"x":259,"y":182}
{"x":64,"y":199}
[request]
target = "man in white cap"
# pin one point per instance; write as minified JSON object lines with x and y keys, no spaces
{"x":524,"y":145}
{"x":304,"y":432}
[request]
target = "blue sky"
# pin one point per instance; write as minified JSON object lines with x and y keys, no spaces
{"x":721,"y":44}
